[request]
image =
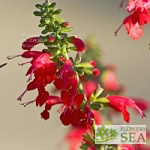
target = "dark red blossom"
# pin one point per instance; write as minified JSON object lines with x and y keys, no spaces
{"x":65,"y":78}
{"x":120,"y":104}
{"x":71,"y":114}
{"x":30,"y":43}
{"x":79,"y":44}
{"x":88,"y":117}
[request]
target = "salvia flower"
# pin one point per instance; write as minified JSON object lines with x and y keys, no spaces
{"x":121,"y":103}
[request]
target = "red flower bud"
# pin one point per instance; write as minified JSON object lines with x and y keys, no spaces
{"x":93,"y":63}
{"x":79,"y":44}
{"x":51,"y":39}
{"x":31,"y":42}
{"x":96,"y":72}
{"x":66,"y":24}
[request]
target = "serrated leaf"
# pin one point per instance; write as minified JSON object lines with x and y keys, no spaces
{"x":101,"y":100}
{"x":37,"y":13}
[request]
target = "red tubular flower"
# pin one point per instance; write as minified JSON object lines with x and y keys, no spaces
{"x":120,"y":104}
{"x":71,"y":114}
{"x":79,"y":44}
{"x":49,"y":102}
{"x":65,"y":77}
{"x":87,"y":120}
{"x":31,"y":42}
{"x":44,"y":71}
{"x":89,"y":87}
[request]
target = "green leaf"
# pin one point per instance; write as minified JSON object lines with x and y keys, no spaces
{"x":101,"y":100}
{"x":98,"y":91}
{"x":41,"y":25}
{"x":88,"y":138}
{"x":66,"y":29}
{"x":37,"y":13}
{"x":59,"y":20}
{"x":52,"y":4}
{"x":45,"y":31}
{"x":95,"y":106}
{"x":78,"y":58}
{"x":84,"y":146}
{"x":57,"y":12}
{"x":84,"y":65}
{"x":38,"y":6}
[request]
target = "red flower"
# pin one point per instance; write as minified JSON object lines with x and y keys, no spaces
{"x":49,"y":102}
{"x":120,"y":104}
{"x":65,"y":77}
{"x":89,"y":87}
{"x":44,"y":71}
{"x":74,"y":137}
{"x":79,"y":44}
{"x":127,"y":147}
{"x":31,"y":42}
{"x":109,"y":81}
{"x":135,"y":4}
{"x":71,"y":114}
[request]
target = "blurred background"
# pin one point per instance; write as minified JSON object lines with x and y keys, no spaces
{"x":22,"y":128}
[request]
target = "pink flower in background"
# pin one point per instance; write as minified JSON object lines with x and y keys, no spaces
{"x":109,"y":81}
{"x":135,"y":4}
{"x":126,"y":147}
{"x":89,"y":87}
{"x":120,"y":104}
{"x":139,"y":17}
